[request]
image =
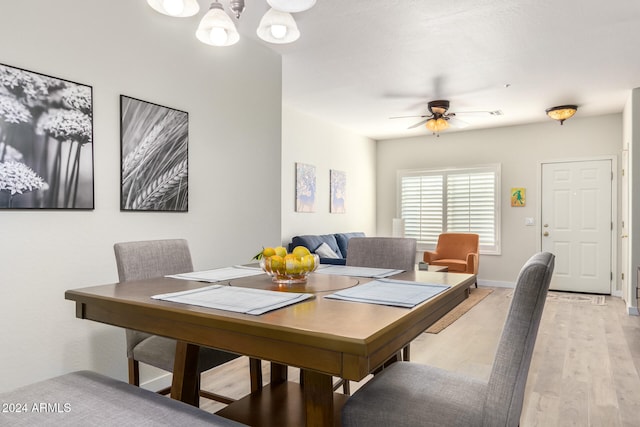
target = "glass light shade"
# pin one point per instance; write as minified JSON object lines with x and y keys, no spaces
{"x":291,"y":6}
{"x":437,"y":125}
{"x":216,"y":28}
{"x":562,"y":112}
{"x":175,"y":8}
{"x":278,"y":27}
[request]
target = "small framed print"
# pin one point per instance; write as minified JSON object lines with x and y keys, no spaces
{"x":338,"y":186}
{"x":518,"y":197}
{"x":305,"y":188}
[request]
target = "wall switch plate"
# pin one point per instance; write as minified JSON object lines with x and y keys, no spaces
{"x":529,"y":221}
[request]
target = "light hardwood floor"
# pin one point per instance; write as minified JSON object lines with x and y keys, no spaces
{"x":585,"y":369}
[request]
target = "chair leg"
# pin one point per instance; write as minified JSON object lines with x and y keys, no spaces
{"x":134,"y":372}
{"x":406,"y":353}
{"x":216,"y":397}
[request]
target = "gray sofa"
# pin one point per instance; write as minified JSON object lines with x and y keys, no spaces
{"x":338,"y":242}
{"x":86,"y":398}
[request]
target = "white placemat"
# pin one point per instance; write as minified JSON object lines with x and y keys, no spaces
{"x":219,"y":274}
{"x":398,"y":293}
{"x":236,"y":299}
{"x":349,"y":270}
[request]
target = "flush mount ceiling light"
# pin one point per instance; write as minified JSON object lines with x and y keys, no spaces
{"x":176,"y":8}
{"x":216,"y":28}
{"x":291,"y":6}
{"x":278,"y":27}
{"x":562,"y":112}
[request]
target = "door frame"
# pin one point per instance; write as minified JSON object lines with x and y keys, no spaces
{"x":615,"y":284}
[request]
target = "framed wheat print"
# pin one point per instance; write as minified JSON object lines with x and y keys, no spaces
{"x":46,"y":142}
{"x":154,"y":157}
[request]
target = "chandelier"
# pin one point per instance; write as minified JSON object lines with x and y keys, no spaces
{"x":216,"y":27}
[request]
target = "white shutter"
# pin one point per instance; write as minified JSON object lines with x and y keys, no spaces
{"x":471,"y":205}
{"x":422,"y":207}
{"x":454,"y":200}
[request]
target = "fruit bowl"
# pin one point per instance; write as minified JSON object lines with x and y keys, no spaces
{"x":290,"y":268}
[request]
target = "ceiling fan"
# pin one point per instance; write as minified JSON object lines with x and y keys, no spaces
{"x":440,"y":118}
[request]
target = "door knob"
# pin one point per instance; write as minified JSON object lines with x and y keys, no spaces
{"x":546,"y":225}
{"x":545,"y":234}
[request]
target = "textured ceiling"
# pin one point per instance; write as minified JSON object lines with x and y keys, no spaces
{"x":359,"y":62}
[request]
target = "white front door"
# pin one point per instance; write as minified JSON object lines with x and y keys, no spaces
{"x":577,"y":224}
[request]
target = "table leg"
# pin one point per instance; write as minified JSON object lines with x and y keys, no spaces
{"x":279,"y":373}
{"x":255,"y":371}
{"x":318,"y":397}
{"x":185,"y":385}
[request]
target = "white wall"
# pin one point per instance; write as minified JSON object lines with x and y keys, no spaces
{"x":306,"y":139}
{"x":632,"y":141}
{"x":519,"y":149}
{"x":233,"y":97}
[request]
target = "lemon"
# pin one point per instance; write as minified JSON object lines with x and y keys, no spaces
{"x":281,"y":251}
{"x":268,"y":251}
{"x":308,"y":262}
{"x":293,"y":265}
{"x":276,"y":263}
{"x":300,"y":251}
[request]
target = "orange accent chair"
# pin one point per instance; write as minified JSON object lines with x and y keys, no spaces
{"x":457,"y":251}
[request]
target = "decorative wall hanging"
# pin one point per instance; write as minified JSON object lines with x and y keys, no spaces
{"x":46,"y":142}
{"x":305,"y":188}
{"x":518,"y":197}
{"x":154,"y":155}
{"x":338,"y":187}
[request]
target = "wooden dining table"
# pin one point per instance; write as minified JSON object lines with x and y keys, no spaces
{"x":323,"y":337}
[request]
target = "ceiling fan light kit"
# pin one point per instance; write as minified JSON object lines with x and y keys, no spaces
{"x":216,"y":28}
{"x":437,"y":125}
{"x":562,"y":112}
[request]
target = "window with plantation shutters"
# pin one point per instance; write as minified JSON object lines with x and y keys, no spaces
{"x":464,"y":200}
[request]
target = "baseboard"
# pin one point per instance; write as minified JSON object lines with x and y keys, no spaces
{"x":158,"y":383}
{"x":633,"y":311}
{"x":496,"y":284}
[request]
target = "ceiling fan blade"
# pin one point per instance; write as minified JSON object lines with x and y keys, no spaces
{"x":457,"y":123}
{"x":407,"y":117}
{"x":481,"y":113}
{"x":419,"y":123}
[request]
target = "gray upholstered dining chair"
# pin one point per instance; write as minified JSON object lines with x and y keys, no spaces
{"x":382,"y":252}
{"x":157,"y":258}
{"x":408,"y":394}
{"x":398,"y":253}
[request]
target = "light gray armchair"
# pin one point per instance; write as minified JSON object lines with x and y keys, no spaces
{"x":408,"y":394}
{"x":157,"y":258}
